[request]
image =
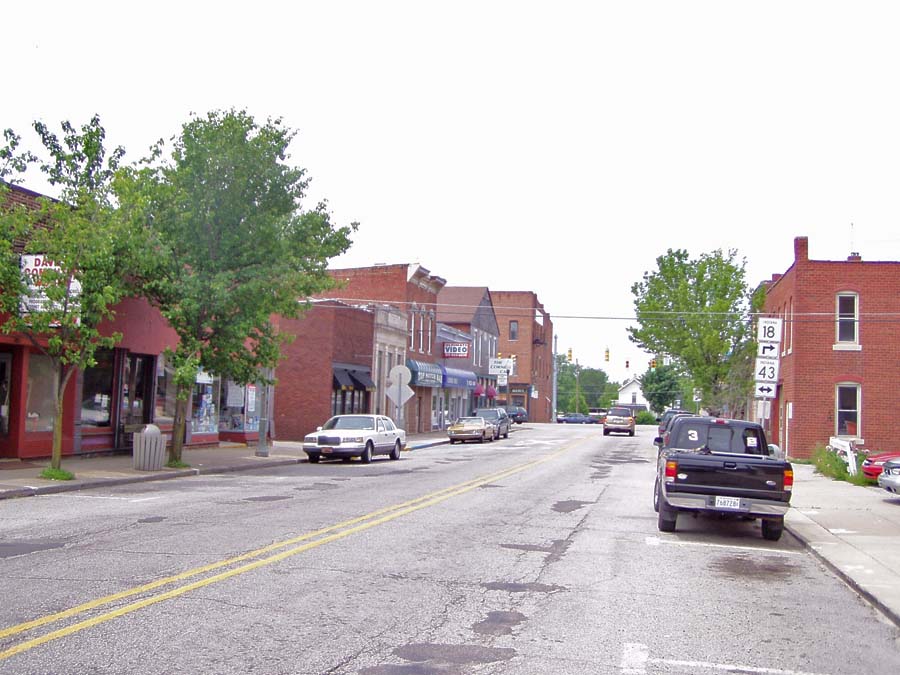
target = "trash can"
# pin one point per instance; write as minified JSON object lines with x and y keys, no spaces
{"x":149,"y":449}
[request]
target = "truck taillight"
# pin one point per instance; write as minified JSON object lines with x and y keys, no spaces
{"x":788,"y":479}
{"x":671,"y":470}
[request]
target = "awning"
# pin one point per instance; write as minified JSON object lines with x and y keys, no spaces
{"x":363,"y":378}
{"x":491,"y":392}
{"x":479,"y":389}
{"x":459,"y":379}
{"x":425,"y":374}
{"x":341,"y":379}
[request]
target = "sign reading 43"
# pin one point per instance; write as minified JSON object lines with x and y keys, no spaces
{"x":766,"y":370}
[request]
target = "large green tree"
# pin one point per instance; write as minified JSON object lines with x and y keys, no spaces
{"x":697,"y":312}
{"x":65,"y":265}
{"x":661,"y":386}
{"x":233,"y":246}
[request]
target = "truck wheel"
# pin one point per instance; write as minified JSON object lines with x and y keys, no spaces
{"x":656,"y":495}
{"x":772,"y":529}
{"x":667,"y":516}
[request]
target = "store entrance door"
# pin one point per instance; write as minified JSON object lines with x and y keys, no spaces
{"x":135,"y":396}
{"x":5,"y":386}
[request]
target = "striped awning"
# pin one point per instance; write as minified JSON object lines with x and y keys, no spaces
{"x":425,"y":374}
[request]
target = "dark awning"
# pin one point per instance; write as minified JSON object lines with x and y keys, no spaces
{"x":455,"y":378}
{"x":363,"y":378}
{"x":341,"y":379}
{"x":424,"y":374}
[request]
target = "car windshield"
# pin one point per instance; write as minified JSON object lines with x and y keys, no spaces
{"x":620,"y":412}
{"x":349,"y":423}
{"x":721,"y":438}
{"x":487,"y":414}
{"x":470,"y":420}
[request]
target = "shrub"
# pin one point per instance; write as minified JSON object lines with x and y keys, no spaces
{"x":645,"y":417}
{"x":832,"y":465}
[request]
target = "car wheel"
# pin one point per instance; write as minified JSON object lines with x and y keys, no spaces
{"x":631,"y":433}
{"x":366,"y":456}
{"x":313,"y":458}
{"x":491,"y":438}
{"x":667,"y":516}
{"x":395,"y":453}
{"x":481,"y":440}
{"x":506,"y":435}
{"x":452,"y":441}
{"x":656,"y":495}
{"x":606,"y":432}
{"x":772,"y":528}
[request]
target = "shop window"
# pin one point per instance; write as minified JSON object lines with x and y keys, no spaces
{"x":204,"y":418}
{"x":97,"y":389}
{"x":513,"y":330}
{"x":238,"y":407}
{"x":164,"y":409}
{"x":847,"y":318}
{"x":40,"y":403}
{"x":5,"y":383}
{"x":848,"y":410}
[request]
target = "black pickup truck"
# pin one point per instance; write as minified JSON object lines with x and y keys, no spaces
{"x":724,"y":466}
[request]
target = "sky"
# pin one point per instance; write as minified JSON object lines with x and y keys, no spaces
{"x":554,"y":147}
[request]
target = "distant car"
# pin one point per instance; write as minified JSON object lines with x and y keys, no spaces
{"x":598,"y":415}
{"x":471,"y":429}
{"x":348,"y":436}
{"x":620,"y":420}
{"x":497,"y":417}
{"x":660,"y":440}
{"x":873,"y":464}
{"x":516,"y":413}
{"x":889,"y":478}
{"x":576,"y":418}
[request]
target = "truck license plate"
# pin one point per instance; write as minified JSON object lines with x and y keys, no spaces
{"x":728,"y":503}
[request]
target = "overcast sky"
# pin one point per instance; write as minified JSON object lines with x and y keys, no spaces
{"x":556,"y":147}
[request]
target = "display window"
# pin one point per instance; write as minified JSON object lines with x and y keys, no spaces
{"x":164,"y":408}
{"x":97,"y":390}
{"x":204,"y":415}
{"x":40,"y":402}
{"x":5,"y":383}
{"x":238,"y":407}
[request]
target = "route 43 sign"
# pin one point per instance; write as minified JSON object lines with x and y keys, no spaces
{"x":766,"y":370}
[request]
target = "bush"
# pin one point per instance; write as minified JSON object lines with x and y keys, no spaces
{"x":832,"y":465}
{"x":645,"y":417}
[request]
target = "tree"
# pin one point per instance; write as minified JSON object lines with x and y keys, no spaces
{"x":76,"y":254}
{"x":698,"y":313}
{"x":232,"y":246}
{"x":661,"y":387}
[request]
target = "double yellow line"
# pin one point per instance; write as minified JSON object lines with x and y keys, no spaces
{"x":306,"y":542}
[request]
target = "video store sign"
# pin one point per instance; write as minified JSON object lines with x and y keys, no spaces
{"x":34,"y":272}
{"x":456,"y":350}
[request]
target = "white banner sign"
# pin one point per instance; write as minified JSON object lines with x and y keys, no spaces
{"x":33,"y":268}
{"x":456,"y":350}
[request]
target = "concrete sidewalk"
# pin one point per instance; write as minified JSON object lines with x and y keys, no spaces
{"x":853,"y":530}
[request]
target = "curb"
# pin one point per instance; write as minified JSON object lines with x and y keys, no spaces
{"x":813,"y":536}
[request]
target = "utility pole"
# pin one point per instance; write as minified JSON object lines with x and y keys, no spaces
{"x":555,"y":376}
{"x":262,"y":444}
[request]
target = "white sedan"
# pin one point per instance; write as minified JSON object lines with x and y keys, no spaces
{"x":363,"y":436}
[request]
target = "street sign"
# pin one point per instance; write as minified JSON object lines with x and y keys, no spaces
{"x":768,"y":330}
{"x":398,"y":389}
{"x":764,"y":390}
{"x":498,"y":366}
{"x":766,"y":370}
{"x":767,"y":349}
{"x":502,"y":379}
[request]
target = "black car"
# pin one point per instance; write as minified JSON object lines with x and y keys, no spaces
{"x":516,"y":413}
{"x":667,"y":415}
{"x":497,"y":417}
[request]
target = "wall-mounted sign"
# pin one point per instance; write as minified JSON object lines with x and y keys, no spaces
{"x":456,"y":350}
{"x":33,"y":269}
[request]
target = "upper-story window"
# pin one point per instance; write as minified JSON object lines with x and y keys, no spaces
{"x":422,"y":333}
{"x":847,"y":318}
{"x":430,"y":322}
{"x":513,"y":330}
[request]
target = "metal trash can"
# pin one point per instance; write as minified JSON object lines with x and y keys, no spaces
{"x":149,"y":449}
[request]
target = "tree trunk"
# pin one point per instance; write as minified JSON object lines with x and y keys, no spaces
{"x":56,"y":454}
{"x":178,"y":426}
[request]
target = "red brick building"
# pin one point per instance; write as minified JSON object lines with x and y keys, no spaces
{"x":526,"y":332}
{"x":326,"y":369}
{"x":840,"y":356}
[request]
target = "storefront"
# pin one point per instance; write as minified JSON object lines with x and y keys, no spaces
{"x":352,"y":389}
{"x":456,"y":398}
{"x":239,"y":412}
{"x":422,"y":409}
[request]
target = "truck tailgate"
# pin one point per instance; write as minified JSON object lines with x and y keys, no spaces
{"x":732,"y":474}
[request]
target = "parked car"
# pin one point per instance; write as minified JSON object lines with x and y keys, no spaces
{"x":598,"y":415}
{"x":471,"y":429}
{"x":620,"y":420}
{"x":516,"y":413}
{"x":661,"y":439}
{"x":347,"y":436}
{"x":722,"y":466}
{"x":575,"y":418}
{"x":873,"y":464}
{"x":666,"y":416}
{"x":889,"y":478}
{"x":497,"y":417}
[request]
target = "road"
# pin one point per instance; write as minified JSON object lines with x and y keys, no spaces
{"x":531,"y":555}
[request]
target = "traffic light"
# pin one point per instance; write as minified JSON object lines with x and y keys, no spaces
{"x":569,"y":355}
{"x":653,"y":363}
{"x":606,"y":355}
{"x":626,"y":365}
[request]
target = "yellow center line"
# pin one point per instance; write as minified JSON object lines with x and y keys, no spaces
{"x":346,"y":528}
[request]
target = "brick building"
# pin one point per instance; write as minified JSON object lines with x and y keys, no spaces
{"x":526,"y":332}
{"x":326,"y":369}
{"x":840,"y":357}
{"x":412,"y":290}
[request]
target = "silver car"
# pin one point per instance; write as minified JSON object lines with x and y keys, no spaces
{"x":497,"y":417}
{"x":889,"y":478}
{"x":347,"y":436}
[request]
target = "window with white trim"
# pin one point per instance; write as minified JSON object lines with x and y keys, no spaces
{"x":412,"y":330}
{"x":422,"y":332}
{"x":513,"y":330}
{"x":430,"y":321}
{"x":847,"y":404}
{"x":847,"y":319}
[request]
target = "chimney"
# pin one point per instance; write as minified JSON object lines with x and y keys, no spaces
{"x":854,"y":257}
{"x":801,"y":249}
{"x":776,"y":277}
